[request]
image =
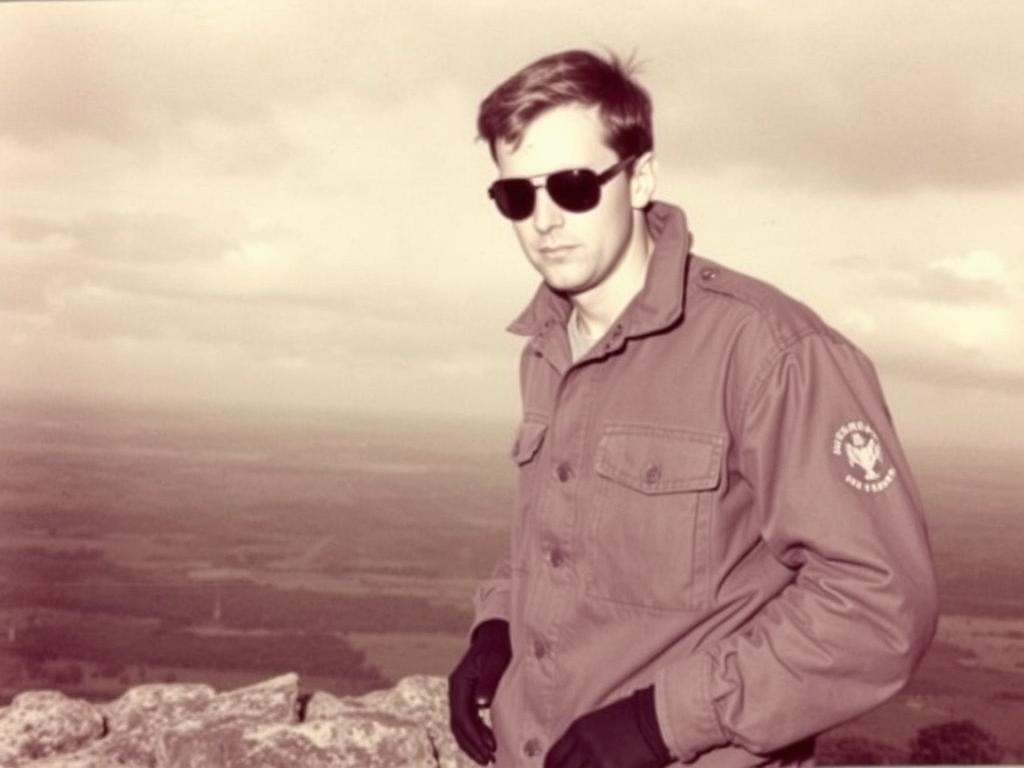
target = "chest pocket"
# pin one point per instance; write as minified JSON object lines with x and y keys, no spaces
{"x":648,"y":538}
{"x":525,"y":450}
{"x":529,"y":436}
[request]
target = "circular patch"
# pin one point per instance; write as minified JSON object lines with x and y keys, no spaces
{"x":858,"y":442}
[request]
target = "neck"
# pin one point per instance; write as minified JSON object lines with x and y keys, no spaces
{"x":599,"y":307}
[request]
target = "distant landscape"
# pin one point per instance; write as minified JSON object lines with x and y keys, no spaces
{"x":151,"y":545}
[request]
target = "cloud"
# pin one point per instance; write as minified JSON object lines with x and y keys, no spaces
{"x":257,"y":297}
{"x":879,"y":97}
{"x":973,"y":267}
{"x":942,"y":318}
{"x":46,"y":258}
{"x":279,"y":198}
{"x":140,"y":236}
{"x":951,"y":321}
{"x":871,"y":95}
{"x":955,"y":370}
{"x":976,"y":278}
{"x":136,"y":73}
{"x":120,"y":71}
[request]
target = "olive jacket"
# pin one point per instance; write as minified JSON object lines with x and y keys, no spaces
{"x":712,"y":499}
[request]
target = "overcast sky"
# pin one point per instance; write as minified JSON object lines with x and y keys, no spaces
{"x":283,"y":204}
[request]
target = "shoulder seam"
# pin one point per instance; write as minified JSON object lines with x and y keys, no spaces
{"x":761,"y":378}
{"x":754,"y":300}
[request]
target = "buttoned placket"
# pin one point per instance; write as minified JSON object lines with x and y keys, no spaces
{"x":539,"y":664}
{"x":558,"y":511}
{"x":576,"y":402}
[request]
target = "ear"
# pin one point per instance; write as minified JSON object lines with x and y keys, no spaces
{"x":643,"y":181}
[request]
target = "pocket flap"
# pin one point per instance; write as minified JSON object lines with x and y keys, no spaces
{"x":529,"y":437}
{"x":660,"y":459}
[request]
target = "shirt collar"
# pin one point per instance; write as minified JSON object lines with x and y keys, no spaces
{"x":659,"y":303}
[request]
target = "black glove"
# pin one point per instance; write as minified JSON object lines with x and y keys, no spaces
{"x":623,"y":734}
{"x":471,"y":686}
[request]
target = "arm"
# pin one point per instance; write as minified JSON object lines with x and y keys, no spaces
{"x":490,"y":601}
{"x":847,"y":633}
{"x":474,"y":681}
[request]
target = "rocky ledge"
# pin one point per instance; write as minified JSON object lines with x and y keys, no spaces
{"x":268,"y":725}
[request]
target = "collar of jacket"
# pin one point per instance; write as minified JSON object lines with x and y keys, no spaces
{"x":659,"y":303}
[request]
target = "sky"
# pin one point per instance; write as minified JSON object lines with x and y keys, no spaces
{"x":282,"y":204}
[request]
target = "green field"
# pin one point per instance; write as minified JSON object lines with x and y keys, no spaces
{"x":144,"y":546}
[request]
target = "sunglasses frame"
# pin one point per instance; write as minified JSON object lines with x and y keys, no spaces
{"x":600,"y":179}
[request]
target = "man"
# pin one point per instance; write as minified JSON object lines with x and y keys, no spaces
{"x":718,"y":549}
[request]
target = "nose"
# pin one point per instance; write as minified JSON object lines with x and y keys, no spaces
{"x":546,"y":214}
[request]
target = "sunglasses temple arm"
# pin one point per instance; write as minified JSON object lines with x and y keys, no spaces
{"x":604,"y":176}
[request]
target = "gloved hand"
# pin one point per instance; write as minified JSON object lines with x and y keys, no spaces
{"x":623,"y":734}
{"x":472,"y":685}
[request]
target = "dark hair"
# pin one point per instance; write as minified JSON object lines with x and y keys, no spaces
{"x":571,"y":77}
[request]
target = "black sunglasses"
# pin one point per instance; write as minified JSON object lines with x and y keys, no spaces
{"x":576,"y":190}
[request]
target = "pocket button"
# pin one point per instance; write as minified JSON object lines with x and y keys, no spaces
{"x":652,"y":474}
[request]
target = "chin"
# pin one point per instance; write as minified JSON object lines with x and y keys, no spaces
{"x":561,"y":277}
{"x":563,"y":284}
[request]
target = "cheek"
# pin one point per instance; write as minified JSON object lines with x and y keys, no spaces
{"x":522,"y":233}
{"x":524,"y":236}
{"x":611,"y":228}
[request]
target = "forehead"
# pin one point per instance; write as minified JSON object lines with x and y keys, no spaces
{"x":570,"y":136}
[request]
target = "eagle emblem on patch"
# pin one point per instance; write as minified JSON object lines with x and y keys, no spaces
{"x":868,"y":469}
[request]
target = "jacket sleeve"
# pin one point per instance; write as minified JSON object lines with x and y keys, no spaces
{"x":491,"y":599}
{"x":835,"y":503}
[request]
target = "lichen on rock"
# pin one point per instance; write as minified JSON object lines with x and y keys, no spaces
{"x":191,"y":726}
{"x":38,"y":724}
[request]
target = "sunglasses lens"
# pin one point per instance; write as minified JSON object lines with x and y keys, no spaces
{"x":576,"y":190}
{"x":514,"y":197}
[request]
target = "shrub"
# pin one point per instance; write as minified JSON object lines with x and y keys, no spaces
{"x":958,"y":742}
{"x":854,"y":750}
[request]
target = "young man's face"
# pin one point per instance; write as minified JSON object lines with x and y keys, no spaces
{"x":573,"y":252}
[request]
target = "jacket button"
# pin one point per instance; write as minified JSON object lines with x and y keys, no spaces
{"x":531,"y":748}
{"x":539,"y":650}
{"x":564,"y":472}
{"x":556,"y":558}
{"x":708,"y":273}
{"x":652,"y":474}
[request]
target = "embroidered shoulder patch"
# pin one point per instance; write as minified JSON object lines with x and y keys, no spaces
{"x":858,"y":442}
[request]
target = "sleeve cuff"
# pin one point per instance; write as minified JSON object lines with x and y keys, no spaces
{"x":686,"y":715}
{"x":489,"y":603}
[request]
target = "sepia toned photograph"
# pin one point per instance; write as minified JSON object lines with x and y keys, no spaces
{"x":556,"y":386}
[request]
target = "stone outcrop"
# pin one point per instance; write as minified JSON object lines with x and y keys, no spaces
{"x":267,"y":725}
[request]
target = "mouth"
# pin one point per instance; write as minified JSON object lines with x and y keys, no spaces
{"x":554,"y":251}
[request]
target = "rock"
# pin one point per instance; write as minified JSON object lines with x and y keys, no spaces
{"x":42,"y":723}
{"x":419,"y":698}
{"x":371,"y":740}
{"x":271,"y":701}
{"x":123,"y":752}
{"x":155,"y":707}
{"x":214,"y":735}
{"x":190,"y":726}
